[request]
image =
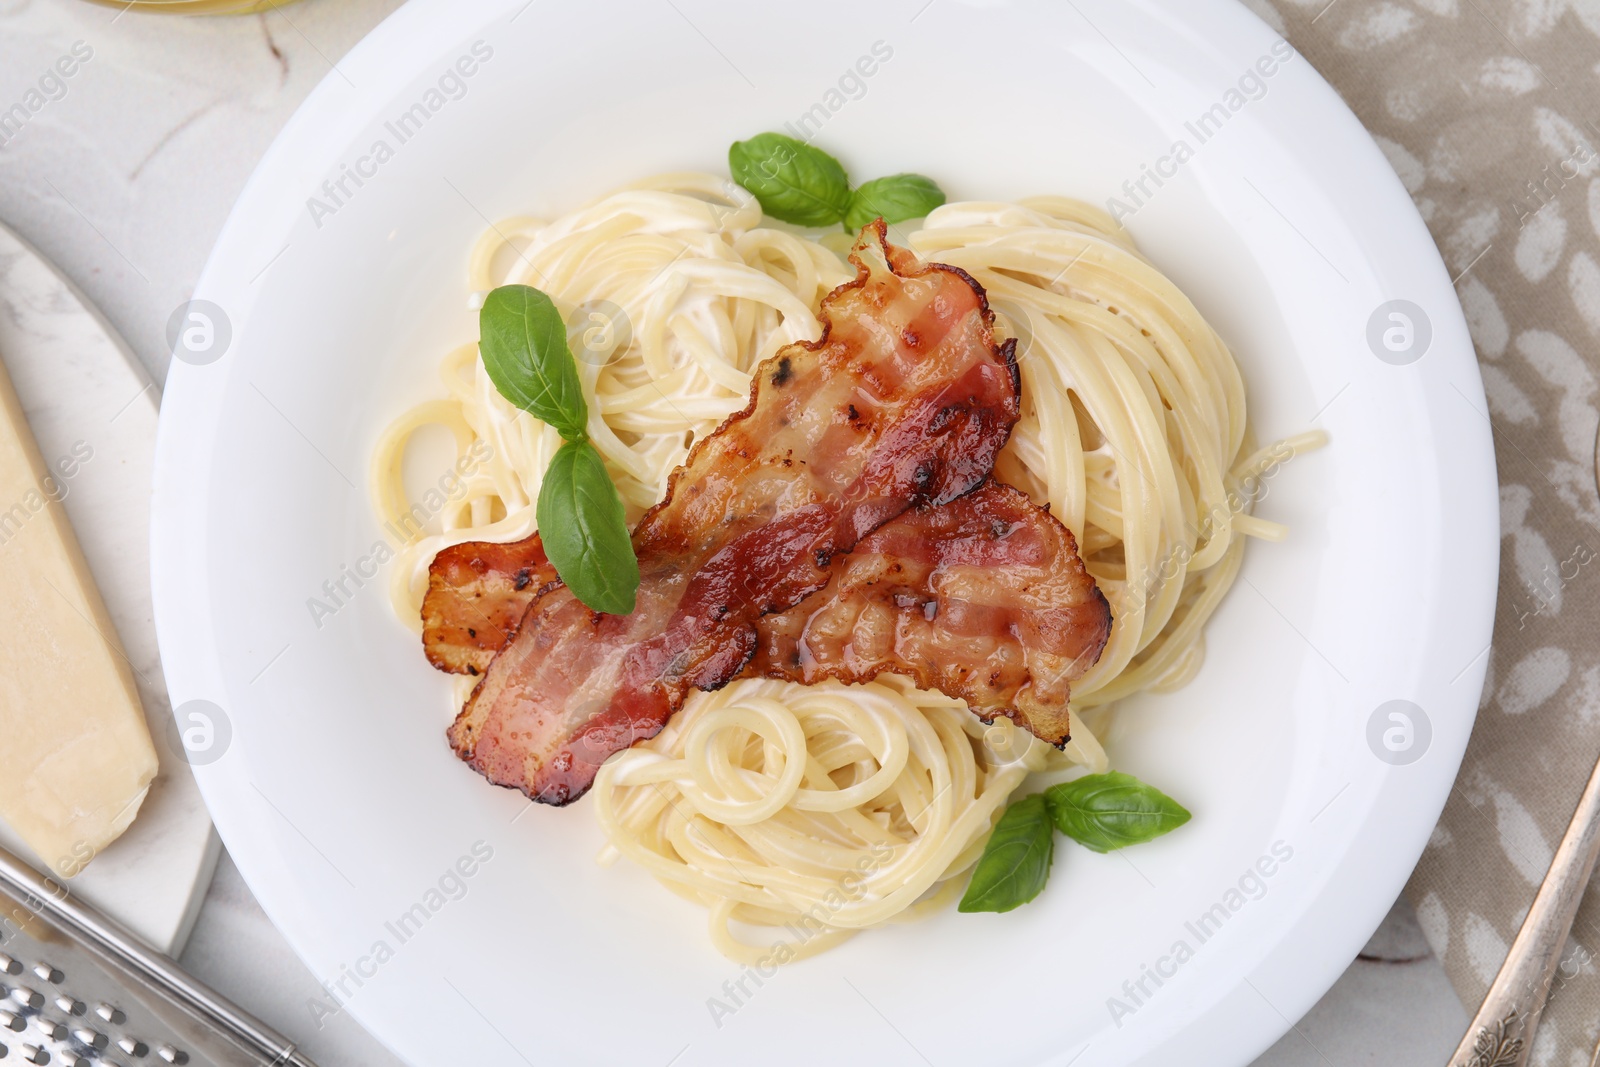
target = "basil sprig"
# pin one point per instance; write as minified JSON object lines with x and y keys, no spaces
{"x":1016,"y":861}
{"x":896,"y":198}
{"x":1109,"y":811}
{"x":794,"y":181}
{"x":1099,"y":811}
{"x":800,"y":183}
{"x":584,"y":531}
{"x":523,"y":341}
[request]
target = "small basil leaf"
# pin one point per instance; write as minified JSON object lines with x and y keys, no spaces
{"x":794,"y":181}
{"x":523,"y":341}
{"x":1109,"y":811}
{"x":1015,"y":861}
{"x":895,"y":198}
{"x":585,"y":532}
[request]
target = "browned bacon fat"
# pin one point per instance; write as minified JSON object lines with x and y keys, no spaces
{"x":985,"y":599}
{"x":903,"y":402}
{"x":477,"y":592}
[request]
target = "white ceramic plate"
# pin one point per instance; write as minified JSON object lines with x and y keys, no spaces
{"x":338,"y":796}
{"x":80,"y":386}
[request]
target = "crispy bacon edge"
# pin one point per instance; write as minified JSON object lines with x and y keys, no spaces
{"x":984,"y":599}
{"x":477,"y":594}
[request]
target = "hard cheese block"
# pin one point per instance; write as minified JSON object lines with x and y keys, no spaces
{"x":75,"y":755}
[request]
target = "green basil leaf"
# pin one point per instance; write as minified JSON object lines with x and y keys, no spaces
{"x":585,"y":532}
{"x":896,"y":198}
{"x":1110,"y":811}
{"x":794,"y":181}
{"x":523,"y":340}
{"x":1015,"y":861}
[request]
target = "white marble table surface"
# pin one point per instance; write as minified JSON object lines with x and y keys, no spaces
{"x":125,"y":181}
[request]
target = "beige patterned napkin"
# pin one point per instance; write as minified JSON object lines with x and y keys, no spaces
{"x":1487,"y":109}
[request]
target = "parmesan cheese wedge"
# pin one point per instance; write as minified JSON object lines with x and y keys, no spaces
{"x":75,"y":755}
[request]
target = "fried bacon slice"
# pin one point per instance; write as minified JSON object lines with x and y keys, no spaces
{"x":985,"y":599}
{"x":903,"y":402}
{"x":477,"y":593}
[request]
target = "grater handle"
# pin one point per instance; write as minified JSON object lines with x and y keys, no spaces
{"x":147,"y":971}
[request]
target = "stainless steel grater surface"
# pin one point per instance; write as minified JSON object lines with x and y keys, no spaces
{"x":79,"y":989}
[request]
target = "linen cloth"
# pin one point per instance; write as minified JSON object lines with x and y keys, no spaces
{"x":1487,"y":110}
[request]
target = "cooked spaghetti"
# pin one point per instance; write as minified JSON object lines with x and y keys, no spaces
{"x":838,"y":808}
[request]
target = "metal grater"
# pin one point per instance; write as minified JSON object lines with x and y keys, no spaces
{"x":79,"y":989}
